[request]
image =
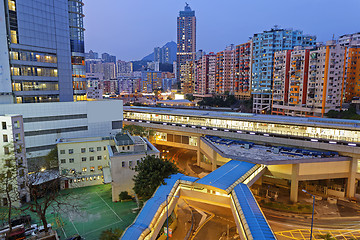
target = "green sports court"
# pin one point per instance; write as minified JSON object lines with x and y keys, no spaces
{"x":95,"y":213}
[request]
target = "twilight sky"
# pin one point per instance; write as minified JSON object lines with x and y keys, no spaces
{"x":130,"y":29}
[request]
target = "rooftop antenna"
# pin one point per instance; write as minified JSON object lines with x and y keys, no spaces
{"x":333,"y":38}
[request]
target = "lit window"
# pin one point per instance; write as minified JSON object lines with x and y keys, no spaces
{"x":13,"y":36}
{"x":92,"y":169}
{"x":99,"y":168}
{"x":12,"y":6}
{"x":84,"y":169}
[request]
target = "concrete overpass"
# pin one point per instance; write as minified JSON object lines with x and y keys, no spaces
{"x":226,"y":187}
{"x":186,"y":129}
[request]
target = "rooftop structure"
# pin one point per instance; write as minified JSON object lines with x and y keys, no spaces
{"x":269,"y":155}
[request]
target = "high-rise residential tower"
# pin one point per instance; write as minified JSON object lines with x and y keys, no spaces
{"x":225,"y":71}
{"x":204,"y":72}
{"x":186,"y":37}
{"x":40,"y":44}
{"x":265,"y":44}
{"x":243,"y":61}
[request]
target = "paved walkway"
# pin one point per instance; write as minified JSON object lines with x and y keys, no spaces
{"x":184,"y":220}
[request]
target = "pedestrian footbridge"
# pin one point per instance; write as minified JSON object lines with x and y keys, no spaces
{"x":227,"y":186}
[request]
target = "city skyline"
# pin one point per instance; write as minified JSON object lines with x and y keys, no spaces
{"x":134,"y":20}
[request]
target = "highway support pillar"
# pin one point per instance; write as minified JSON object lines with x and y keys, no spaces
{"x":294,"y":189}
{"x":350,"y":188}
{"x":214,"y":161}
{"x":198,"y":152}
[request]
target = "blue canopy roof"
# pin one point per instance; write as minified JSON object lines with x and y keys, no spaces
{"x":255,"y":219}
{"x":148,"y":212}
{"x":227,"y":174}
{"x":188,"y":178}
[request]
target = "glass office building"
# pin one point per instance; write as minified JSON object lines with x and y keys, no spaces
{"x":36,"y":50}
{"x":77,"y":49}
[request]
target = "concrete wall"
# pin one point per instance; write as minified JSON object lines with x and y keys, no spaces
{"x":326,"y":170}
{"x":99,"y":151}
{"x":122,"y":176}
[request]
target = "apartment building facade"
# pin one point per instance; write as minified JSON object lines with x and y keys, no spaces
{"x":187,"y":77}
{"x":265,"y":44}
{"x":150,"y":81}
{"x":352,"y":72}
{"x":243,"y":62}
{"x":225,"y":71}
{"x":308,"y":82}
{"x":12,"y":151}
{"x":204,"y":71}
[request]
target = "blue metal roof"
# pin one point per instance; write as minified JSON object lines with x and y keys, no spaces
{"x":227,"y":174}
{"x":254,"y":217}
{"x":149,"y":210}
{"x":188,"y":178}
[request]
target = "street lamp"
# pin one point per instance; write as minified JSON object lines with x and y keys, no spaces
{"x":167,"y":215}
{"x":312,"y":217}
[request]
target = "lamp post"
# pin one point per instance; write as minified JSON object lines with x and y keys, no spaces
{"x":167,"y":215}
{"x":312,"y":217}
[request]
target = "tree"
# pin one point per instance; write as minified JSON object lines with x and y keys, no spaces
{"x":12,"y":174}
{"x":51,"y":159}
{"x":110,"y":234}
{"x":189,"y":97}
{"x":139,"y":131}
{"x":45,"y":194}
{"x":150,"y":174}
{"x":124,"y":196}
{"x":346,"y":114}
